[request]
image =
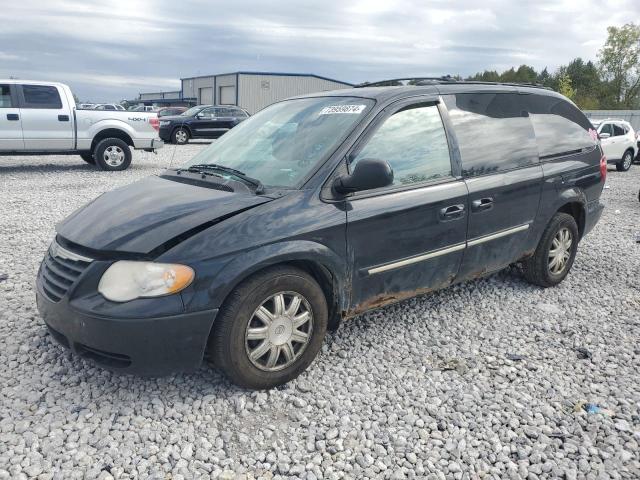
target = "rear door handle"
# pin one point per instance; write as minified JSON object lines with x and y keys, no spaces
{"x":13,"y":117}
{"x":63,"y":118}
{"x":482,"y":204}
{"x":452,"y":212}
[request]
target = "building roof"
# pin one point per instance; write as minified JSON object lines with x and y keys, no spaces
{"x":276,"y":74}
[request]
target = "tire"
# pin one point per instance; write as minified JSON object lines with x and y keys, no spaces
{"x":625,"y":164}
{"x":230,"y":347}
{"x":180,"y":136}
{"x":112,"y":154}
{"x":538,"y":269}
{"x":88,"y":157}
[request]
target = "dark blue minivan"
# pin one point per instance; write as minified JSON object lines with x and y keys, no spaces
{"x":314,"y":210}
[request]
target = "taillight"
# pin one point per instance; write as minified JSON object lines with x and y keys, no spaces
{"x":603,"y":167}
{"x":155,"y":123}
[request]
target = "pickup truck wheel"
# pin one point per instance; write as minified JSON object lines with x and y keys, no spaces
{"x":113,"y":154}
{"x":625,"y":164}
{"x":89,"y":158}
{"x":555,"y":253}
{"x":180,"y":136}
{"x":270,"y":328}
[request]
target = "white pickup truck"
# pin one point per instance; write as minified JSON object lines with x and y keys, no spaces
{"x":41,"y":118}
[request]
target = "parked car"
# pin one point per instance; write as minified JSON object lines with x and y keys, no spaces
{"x":41,"y":118}
{"x":109,"y":106}
{"x":203,"y":121}
{"x":315,"y":210}
{"x":86,"y":106}
{"x":169,"y":111}
{"x":618,"y":141}
{"x":142,"y":108}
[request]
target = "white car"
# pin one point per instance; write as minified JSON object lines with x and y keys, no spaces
{"x":618,"y":141}
{"x":109,"y":106}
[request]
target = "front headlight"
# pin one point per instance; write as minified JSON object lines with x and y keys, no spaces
{"x":127,"y":280}
{"x":164,"y":123}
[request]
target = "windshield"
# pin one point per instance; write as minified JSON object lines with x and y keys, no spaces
{"x":192,"y":111}
{"x":283,"y":143}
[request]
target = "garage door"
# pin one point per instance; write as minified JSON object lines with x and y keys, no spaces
{"x":206,"y":96}
{"x":227,"y":95}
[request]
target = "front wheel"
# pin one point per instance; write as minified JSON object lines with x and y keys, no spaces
{"x":180,"y":136}
{"x":270,"y":328}
{"x":113,"y":154}
{"x":625,"y":164}
{"x":555,"y":253}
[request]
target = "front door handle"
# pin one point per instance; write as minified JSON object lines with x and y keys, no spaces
{"x":63,"y":118}
{"x":482,"y":204}
{"x":13,"y":117}
{"x":452,"y":212}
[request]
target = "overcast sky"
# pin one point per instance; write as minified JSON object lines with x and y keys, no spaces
{"x":108,"y":50}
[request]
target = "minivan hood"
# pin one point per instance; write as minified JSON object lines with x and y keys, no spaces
{"x":150,"y":213}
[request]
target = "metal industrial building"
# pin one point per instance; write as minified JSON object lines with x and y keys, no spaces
{"x":631,"y":116}
{"x":249,"y":90}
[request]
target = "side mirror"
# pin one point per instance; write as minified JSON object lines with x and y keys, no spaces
{"x":368,"y":174}
{"x":604,"y":135}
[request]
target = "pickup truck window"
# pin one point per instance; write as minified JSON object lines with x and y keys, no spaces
{"x":41,"y":96}
{"x":5,"y":97}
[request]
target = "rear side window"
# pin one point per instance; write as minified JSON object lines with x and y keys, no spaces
{"x":5,"y":97}
{"x":561,"y":129}
{"x":493,"y":131}
{"x":414,"y":143}
{"x":41,"y":96}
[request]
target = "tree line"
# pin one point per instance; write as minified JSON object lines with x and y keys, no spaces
{"x":613,"y":82}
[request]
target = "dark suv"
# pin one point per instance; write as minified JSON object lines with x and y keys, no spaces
{"x":314,"y":210}
{"x":203,"y":121}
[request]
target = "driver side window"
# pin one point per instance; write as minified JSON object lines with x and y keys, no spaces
{"x":207,"y":112}
{"x":414,"y":143}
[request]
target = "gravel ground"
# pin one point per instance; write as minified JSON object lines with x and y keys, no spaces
{"x":482,"y":380}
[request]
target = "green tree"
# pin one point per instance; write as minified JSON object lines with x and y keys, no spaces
{"x":619,"y":62}
{"x":565,"y":87}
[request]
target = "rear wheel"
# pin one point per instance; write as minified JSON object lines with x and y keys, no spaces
{"x":555,"y":253}
{"x":625,"y":164}
{"x":113,"y":154}
{"x":88,"y":157}
{"x":270,"y":328}
{"x":180,"y":136}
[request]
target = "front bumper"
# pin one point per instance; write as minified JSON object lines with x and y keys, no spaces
{"x":165,"y":133}
{"x":144,"y":346}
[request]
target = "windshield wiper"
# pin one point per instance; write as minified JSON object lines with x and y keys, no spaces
{"x":259,"y":187}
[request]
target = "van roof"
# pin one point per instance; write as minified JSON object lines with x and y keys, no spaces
{"x":384,"y":92}
{"x":31,"y":82}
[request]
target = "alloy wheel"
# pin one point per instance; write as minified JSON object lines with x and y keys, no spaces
{"x":181,"y":136}
{"x":114,"y":156}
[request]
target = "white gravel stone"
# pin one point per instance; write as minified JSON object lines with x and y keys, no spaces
{"x":421,"y":389}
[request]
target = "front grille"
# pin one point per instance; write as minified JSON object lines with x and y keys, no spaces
{"x":60,"y":269}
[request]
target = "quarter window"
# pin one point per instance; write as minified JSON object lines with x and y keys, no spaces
{"x":561,"y":129}
{"x":5,"y":97}
{"x":41,"y":96}
{"x":414,"y":143}
{"x":493,"y":132}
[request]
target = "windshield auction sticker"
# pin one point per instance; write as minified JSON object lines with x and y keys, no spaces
{"x":333,"y":109}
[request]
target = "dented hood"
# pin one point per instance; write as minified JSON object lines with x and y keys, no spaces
{"x":148,"y":214}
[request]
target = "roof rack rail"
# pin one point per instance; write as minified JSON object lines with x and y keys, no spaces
{"x":421,"y":81}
